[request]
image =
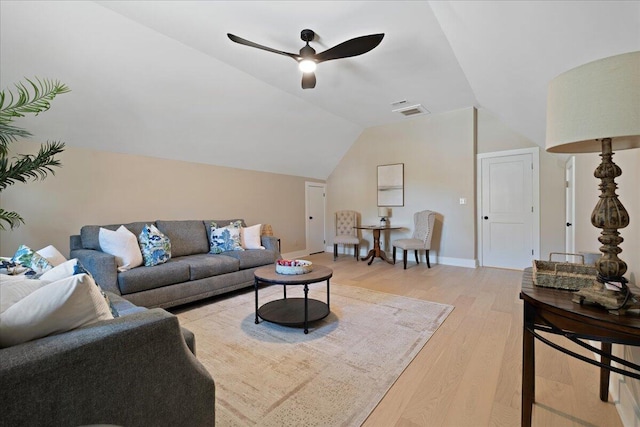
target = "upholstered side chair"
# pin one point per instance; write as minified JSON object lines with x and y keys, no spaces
{"x":421,"y":238}
{"x":345,"y":233}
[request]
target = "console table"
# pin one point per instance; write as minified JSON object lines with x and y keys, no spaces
{"x":551,"y":310}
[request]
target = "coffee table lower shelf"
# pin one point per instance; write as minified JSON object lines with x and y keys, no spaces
{"x":290,"y":311}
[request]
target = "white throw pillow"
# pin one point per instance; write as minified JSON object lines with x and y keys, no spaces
{"x":54,"y":308}
{"x":250,"y":237}
{"x":122,"y":244}
{"x":51,"y":254}
{"x":14,"y":288}
{"x":62,"y":271}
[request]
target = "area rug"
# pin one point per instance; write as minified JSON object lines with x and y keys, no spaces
{"x":271,"y":375}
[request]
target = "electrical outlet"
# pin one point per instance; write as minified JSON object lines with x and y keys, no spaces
{"x":463,"y":201}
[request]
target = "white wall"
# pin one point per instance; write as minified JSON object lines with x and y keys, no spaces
{"x":439,"y":169}
{"x":97,"y":187}
{"x":439,"y":156}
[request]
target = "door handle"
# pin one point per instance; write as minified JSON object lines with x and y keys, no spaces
{"x":310,"y":217}
{"x":569,"y":224}
{"x":486,"y":217}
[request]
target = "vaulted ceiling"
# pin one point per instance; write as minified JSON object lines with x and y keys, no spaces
{"x":161,"y":78}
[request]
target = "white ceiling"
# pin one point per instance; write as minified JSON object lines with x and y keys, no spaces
{"x":161,"y":78}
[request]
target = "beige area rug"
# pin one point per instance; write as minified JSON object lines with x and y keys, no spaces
{"x":271,"y":375}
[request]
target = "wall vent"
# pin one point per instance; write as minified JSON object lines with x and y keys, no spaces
{"x":411,"y":110}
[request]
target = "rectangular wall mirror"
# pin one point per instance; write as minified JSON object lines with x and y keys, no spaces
{"x":391,"y":185}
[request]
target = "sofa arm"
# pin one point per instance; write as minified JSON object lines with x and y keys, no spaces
{"x":271,"y":243}
{"x":129,"y":371}
{"x":102,"y":267}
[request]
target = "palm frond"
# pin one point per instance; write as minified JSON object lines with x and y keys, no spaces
{"x":26,"y":167}
{"x":35,"y":99}
{"x":9,"y":134}
{"x":11,"y":218}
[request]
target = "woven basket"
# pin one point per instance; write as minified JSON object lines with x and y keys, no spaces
{"x":563,"y":275}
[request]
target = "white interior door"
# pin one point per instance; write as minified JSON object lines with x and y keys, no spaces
{"x":507,"y":210}
{"x":315,"y":194}
{"x":570,"y":215}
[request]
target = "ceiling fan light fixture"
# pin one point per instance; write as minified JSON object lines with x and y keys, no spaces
{"x":308,"y":58}
{"x":307,"y":66}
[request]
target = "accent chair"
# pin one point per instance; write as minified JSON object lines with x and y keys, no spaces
{"x":346,"y":234}
{"x":421,"y":238}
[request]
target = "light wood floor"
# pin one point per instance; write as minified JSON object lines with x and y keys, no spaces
{"x":468,"y":374}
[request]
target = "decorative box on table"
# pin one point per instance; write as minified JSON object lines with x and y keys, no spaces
{"x":563,"y":275}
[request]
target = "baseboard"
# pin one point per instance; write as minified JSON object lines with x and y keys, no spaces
{"x":433,"y":259}
{"x":295,"y":255}
{"x":625,"y":403}
{"x":457,"y":262}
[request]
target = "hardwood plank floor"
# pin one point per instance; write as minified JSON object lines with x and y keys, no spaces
{"x":468,"y":374}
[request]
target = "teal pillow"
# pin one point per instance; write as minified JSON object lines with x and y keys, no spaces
{"x":29,"y":258}
{"x":154,"y":245}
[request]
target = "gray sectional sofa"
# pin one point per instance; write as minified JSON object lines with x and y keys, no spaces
{"x":138,"y":369}
{"x":191,"y":274}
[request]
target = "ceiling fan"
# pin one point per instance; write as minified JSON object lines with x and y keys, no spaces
{"x":308,"y":58}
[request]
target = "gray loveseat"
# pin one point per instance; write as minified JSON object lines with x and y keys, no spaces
{"x":138,"y":369}
{"x":191,"y":274}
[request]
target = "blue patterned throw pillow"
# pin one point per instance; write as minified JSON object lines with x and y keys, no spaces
{"x":154,"y":245}
{"x":225,"y":239}
{"x":29,"y":258}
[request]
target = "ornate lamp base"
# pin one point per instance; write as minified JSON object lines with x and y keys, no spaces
{"x":609,"y":215}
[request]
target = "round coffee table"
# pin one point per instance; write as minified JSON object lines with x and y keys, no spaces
{"x":292,"y":311}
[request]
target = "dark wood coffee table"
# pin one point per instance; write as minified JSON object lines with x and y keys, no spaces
{"x":292,"y":311}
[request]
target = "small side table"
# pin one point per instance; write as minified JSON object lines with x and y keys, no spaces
{"x":376,"y":252}
{"x":551,"y":310}
{"x":292,"y":311}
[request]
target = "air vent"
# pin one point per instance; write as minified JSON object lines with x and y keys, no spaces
{"x":411,"y":110}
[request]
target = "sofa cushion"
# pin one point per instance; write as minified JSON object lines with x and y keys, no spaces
{"x":145,"y":278}
{"x":53,"y":255}
{"x":90,"y":233}
{"x":13,"y":288}
{"x":187,"y":237}
{"x":206,"y":265}
{"x":253,"y":257}
{"x":54,"y":308}
{"x":155,"y":246}
{"x":220,"y":223}
{"x":225,"y":238}
{"x":123,"y":245}
{"x":29,"y":258}
{"x":250,"y":237}
{"x":64,"y":270}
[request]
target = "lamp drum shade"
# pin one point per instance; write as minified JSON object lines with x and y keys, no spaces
{"x":384,"y":212}
{"x":597,"y":100}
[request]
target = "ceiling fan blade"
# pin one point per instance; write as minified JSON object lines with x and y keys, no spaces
{"x":353,"y":47}
{"x":308,"y":80}
{"x":245,"y":42}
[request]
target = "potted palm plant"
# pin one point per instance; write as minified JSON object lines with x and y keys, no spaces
{"x":32,"y":97}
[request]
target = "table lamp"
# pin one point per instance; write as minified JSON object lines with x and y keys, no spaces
{"x":596,"y":108}
{"x":384,"y":214}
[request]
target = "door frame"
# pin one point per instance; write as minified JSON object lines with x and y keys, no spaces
{"x":535,"y":188}
{"x":308,"y":184}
